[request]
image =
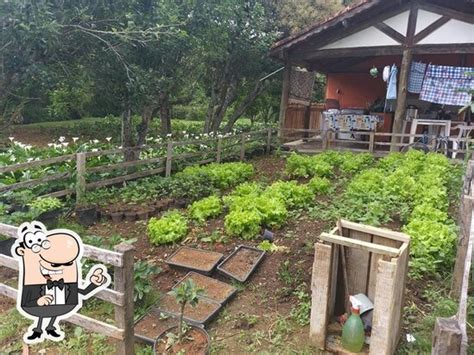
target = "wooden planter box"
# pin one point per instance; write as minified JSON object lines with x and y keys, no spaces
{"x":374,"y":261}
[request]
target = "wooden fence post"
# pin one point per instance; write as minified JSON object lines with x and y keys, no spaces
{"x":219,"y":149}
{"x":371,"y":141}
{"x":169,"y":159}
{"x":242,"y":147}
{"x":269,"y":140}
{"x":446,"y":337}
{"x":325,"y":142}
{"x":123,"y":282}
{"x":80,"y":176}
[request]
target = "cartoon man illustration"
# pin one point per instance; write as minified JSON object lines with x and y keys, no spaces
{"x":50,"y":280}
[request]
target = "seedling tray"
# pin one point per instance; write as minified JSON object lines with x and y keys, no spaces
{"x":202,"y":314}
{"x":203,"y":261}
{"x":214,"y":290}
{"x":241,"y":263}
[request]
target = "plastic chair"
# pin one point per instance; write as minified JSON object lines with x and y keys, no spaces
{"x":464,"y":132}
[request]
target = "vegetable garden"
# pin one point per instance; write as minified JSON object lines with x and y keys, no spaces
{"x":220,"y":206}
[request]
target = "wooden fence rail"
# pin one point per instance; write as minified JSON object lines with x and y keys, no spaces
{"x":217,"y":150}
{"x":121,"y":296}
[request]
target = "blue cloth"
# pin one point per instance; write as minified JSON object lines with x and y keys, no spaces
{"x":417,"y":74}
{"x":447,"y":85}
{"x":392,"y":84}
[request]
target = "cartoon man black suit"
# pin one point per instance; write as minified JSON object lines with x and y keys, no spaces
{"x":50,"y":284}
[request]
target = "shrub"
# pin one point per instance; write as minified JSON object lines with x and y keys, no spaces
{"x":206,"y":208}
{"x":293,"y":194}
{"x":245,"y":224}
{"x":41,"y":205}
{"x":353,"y":163}
{"x":320,"y":186}
{"x":170,"y":228}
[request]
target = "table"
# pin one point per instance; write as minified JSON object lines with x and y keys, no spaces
{"x":445,"y":124}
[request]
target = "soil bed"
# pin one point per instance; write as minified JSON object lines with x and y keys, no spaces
{"x":201,"y":314}
{"x":241,"y":263}
{"x":213,"y":289}
{"x":194,"y":341}
{"x":195,"y":259}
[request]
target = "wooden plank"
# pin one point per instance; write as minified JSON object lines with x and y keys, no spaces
{"x":399,"y":289}
{"x":411,"y":28}
{"x":123,"y":283}
{"x":9,"y":262}
{"x":80,"y":176}
{"x":123,"y":165}
{"x":374,"y":262}
{"x":359,"y":244}
{"x":386,"y":233}
{"x":430,"y":29}
{"x":169,"y":157}
{"x":285,"y":94}
{"x":333,"y":279}
{"x":35,"y":182}
{"x":357,"y":263}
{"x":320,"y":286}
{"x":60,"y":193}
{"x":123,"y":178}
{"x":36,"y":163}
{"x":371,"y":142}
{"x":382,"y":329}
{"x":389,"y":31}
{"x":96,"y":326}
{"x":446,"y":337}
{"x":8,"y":291}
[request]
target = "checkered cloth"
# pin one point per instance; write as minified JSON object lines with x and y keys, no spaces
{"x":415,"y":80}
{"x":447,"y":85}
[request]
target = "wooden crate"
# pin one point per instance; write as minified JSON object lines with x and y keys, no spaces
{"x":374,"y":261}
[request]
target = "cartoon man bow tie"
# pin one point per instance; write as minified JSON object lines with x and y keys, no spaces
{"x":50,"y":284}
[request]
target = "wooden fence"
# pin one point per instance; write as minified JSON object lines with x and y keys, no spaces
{"x":450,"y":334}
{"x":378,"y":143}
{"x":217,"y":149}
{"x":121,"y":295}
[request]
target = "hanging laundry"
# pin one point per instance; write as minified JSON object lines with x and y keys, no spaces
{"x":386,"y":73}
{"x":447,"y":85}
{"x":391,"y":89}
{"x":416,"y":76}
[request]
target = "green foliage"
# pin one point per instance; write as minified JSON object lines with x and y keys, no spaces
{"x":45,"y":204}
{"x":170,"y":228}
{"x":70,"y":98}
{"x":320,"y":186}
{"x":244,"y":224}
{"x":354,"y":163}
{"x":206,"y":208}
{"x":291,"y":193}
{"x":143,"y":275}
{"x":306,"y":166}
{"x":301,"y":312}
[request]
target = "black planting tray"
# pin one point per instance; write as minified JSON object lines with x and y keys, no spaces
{"x":169,"y":306}
{"x":198,"y":254}
{"x":240,"y":248}
{"x":198,"y":276}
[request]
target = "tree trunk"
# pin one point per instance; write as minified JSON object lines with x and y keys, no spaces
{"x":147,"y":116}
{"x":165,"y":113}
{"x":127,"y":134}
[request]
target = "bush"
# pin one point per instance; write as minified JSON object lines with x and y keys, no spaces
{"x":320,"y":186}
{"x":244,"y":224}
{"x":206,"y":208}
{"x":41,"y":205}
{"x":170,"y":228}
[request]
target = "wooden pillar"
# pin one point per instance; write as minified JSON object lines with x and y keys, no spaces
{"x":269,"y":140}
{"x":219,"y":150}
{"x":401,"y":97}
{"x":320,"y":294}
{"x":123,"y":282}
{"x":446,"y":337}
{"x":80,"y":176}
{"x":285,"y":94}
{"x":169,"y":159}
{"x":242,"y":147}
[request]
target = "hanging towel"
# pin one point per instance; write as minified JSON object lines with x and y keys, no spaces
{"x":447,"y":85}
{"x":386,"y":73}
{"x":391,"y":90}
{"x":415,"y":79}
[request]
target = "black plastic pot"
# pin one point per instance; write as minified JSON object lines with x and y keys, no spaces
{"x":166,"y":331}
{"x":6,"y":246}
{"x":50,"y":218}
{"x":87,"y":215}
{"x":18,"y":208}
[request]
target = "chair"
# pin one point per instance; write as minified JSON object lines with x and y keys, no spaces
{"x":458,"y":141}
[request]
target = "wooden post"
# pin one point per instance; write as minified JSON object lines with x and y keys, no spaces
{"x":269,"y":140}
{"x":242,"y":147}
{"x":320,"y":294}
{"x":401,"y":97}
{"x":123,"y":282}
{"x":169,"y":159}
{"x":463,"y":243}
{"x":446,"y":337}
{"x":80,"y":176}
{"x":219,"y":150}
{"x":285,"y":94}
{"x":371,"y":142}
{"x":325,"y":142}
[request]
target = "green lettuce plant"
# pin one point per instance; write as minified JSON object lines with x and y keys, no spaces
{"x":206,"y":208}
{"x":170,"y":228}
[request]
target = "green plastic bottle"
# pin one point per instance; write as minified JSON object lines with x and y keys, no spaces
{"x":353,"y":334}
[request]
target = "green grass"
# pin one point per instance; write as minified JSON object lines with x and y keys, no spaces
{"x":60,"y":124}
